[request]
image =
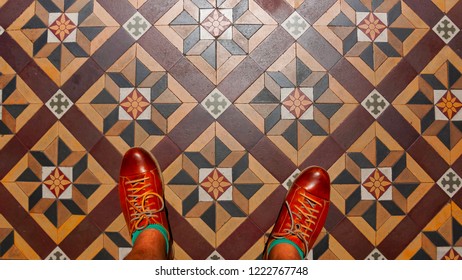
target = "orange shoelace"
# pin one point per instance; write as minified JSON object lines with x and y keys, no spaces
{"x":139,"y":203}
{"x":303,"y":221}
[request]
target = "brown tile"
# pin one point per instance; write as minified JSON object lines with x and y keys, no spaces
{"x":334,"y":216}
{"x":397,"y":80}
{"x":240,"y":79}
{"x":352,"y":239}
{"x":45,"y":88}
{"x":456,"y":43}
{"x":240,"y":127}
{"x":325,"y":155}
{"x":425,"y":51}
{"x":429,"y":206}
{"x":187,"y":237}
{"x":116,"y":46}
{"x":120,"y":10}
{"x":192,"y":79}
{"x":352,"y":80}
{"x":153,"y":11}
{"x":312,"y":10}
{"x":82,"y":129}
{"x":315,"y":44}
{"x":80,"y":239}
{"x":272,"y":47}
{"x":106,"y":211}
{"x":187,"y":131}
{"x":428,"y":159}
{"x":108,"y":157}
{"x":160,"y":48}
{"x":11,"y":10}
{"x":275,"y":161}
{"x":266,"y":214}
{"x":353,"y":127}
{"x":278,"y":9}
{"x":426,"y":10}
{"x":399,"y":238}
{"x":36,"y":127}
{"x":12,"y":53}
{"x":10,"y":154}
{"x":236,"y":245}
{"x":398,"y":127}
{"x":82,"y":80}
{"x":24,"y":225}
{"x":166,"y":152}
{"x":454,"y":14}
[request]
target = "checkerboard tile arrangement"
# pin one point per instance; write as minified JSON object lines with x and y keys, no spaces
{"x":233,"y":98}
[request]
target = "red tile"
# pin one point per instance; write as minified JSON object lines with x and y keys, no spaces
{"x":187,"y":237}
{"x":10,"y":154}
{"x":398,"y":127}
{"x":312,"y":10}
{"x":425,"y":51}
{"x":36,"y":127}
{"x":428,"y":158}
{"x":108,"y":157}
{"x":160,"y":48}
{"x":45,"y":88}
{"x":240,"y":241}
{"x":82,"y":129}
{"x":13,"y":54}
{"x":106,"y":211}
{"x":272,"y":47}
{"x":426,"y":10}
{"x":399,"y":238}
{"x":454,"y":14}
{"x":351,"y":79}
{"x":240,"y":127}
{"x":240,"y":79}
{"x":397,"y":80}
{"x":192,"y":79}
{"x":429,"y":206}
{"x":153,"y":11}
{"x":11,"y":10}
{"x":166,"y":152}
{"x":353,"y":127}
{"x":325,"y":155}
{"x":278,"y":9}
{"x":82,"y":80}
{"x":24,"y":225}
{"x":352,"y":239}
{"x":334,"y":217}
{"x":191,"y":127}
{"x":120,"y":10}
{"x":455,"y":44}
{"x":114,"y":47}
{"x":266,"y":214}
{"x":80,"y":239}
{"x":315,"y":44}
{"x":275,"y":161}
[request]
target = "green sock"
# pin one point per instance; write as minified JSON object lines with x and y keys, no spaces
{"x":158,"y":227}
{"x":286,"y":241}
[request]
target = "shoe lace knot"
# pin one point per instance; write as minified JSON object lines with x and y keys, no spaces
{"x":303,"y":219}
{"x":141,"y":202}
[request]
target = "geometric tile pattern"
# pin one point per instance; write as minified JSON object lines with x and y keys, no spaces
{"x":234,"y":99}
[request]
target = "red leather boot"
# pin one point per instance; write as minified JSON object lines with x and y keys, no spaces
{"x":141,"y":192}
{"x":304,"y":211}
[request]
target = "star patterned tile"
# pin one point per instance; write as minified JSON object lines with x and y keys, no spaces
{"x":234,"y":99}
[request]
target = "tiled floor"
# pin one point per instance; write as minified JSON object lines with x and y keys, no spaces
{"x":249,"y":91}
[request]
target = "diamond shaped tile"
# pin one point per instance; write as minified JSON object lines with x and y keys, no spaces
{"x":57,"y":255}
{"x":1,"y":30}
{"x":56,"y":184}
{"x":446,"y":29}
{"x":62,"y":27}
{"x":288,"y":183}
{"x":216,"y":23}
{"x":59,"y":104}
{"x":216,"y":103}
{"x":215,"y":182}
{"x":376,"y":183}
{"x":296,"y":25}
{"x":297,"y":103}
{"x":448,"y":105}
{"x":372,"y":27}
{"x":137,"y":25}
{"x":376,"y":255}
{"x":450,"y":182}
{"x":449,"y":253}
{"x":215,"y":256}
{"x":134,"y":104}
{"x":375,"y":103}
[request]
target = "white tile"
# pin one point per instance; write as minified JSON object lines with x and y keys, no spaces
{"x":296,"y":25}
{"x":137,"y":25}
{"x":450,"y":182}
{"x":446,"y":29}
{"x":59,"y":104}
{"x":216,"y":103}
{"x":375,"y":104}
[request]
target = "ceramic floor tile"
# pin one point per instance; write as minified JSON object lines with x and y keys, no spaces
{"x":245,"y":93}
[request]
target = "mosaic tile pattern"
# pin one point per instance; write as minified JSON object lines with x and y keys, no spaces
{"x":233,"y":98}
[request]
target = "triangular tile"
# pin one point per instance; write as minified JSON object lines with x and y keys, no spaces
{"x":248,"y":177}
{"x":248,"y":18}
{"x":443,"y":75}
